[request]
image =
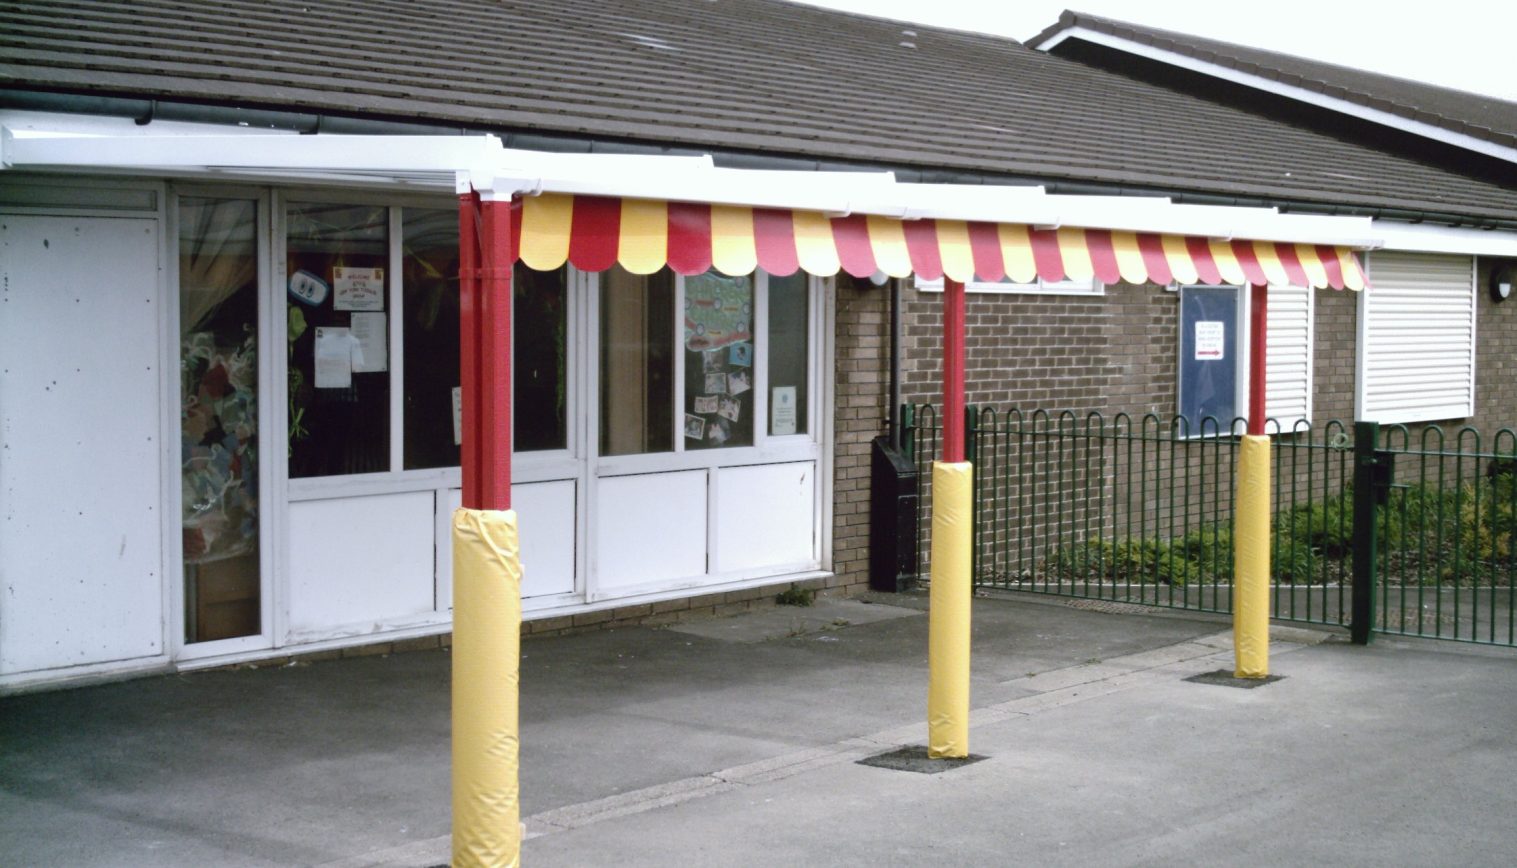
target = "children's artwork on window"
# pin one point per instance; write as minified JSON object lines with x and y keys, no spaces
{"x":718,"y":310}
{"x":730,"y":409}
{"x":740,"y":355}
{"x":739,"y":382}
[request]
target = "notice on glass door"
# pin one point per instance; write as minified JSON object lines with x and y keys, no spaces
{"x":1210,"y":338}
{"x":370,"y":350}
{"x":358,"y":288}
{"x":334,"y":358}
{"x":782,"y":411}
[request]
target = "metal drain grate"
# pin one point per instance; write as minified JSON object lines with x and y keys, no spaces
{"x":1109,"y":607}
{"x":914,"y":759}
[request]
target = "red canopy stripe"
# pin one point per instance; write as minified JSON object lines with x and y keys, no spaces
{"x":1152,"y":248}
{"x":1292,"y":264}
{"x":689,"y":237}
{"x":1045,"y":253}
{"x":1247,"y":258}
{"x":595,"y":233}
{"x":774,"y":238}
{"x":1200,"y":254}
{"x":1329,"y":259}
{"x":985,"y":247}
{"x":1103,"y":255}
{"x":854,"y":251}
{"x":922,"y":247}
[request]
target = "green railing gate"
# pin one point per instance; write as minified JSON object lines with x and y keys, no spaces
{"x":1443,"y":511}
{"x":1139,"y":510}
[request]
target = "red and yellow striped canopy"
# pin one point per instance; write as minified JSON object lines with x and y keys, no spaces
{"x":593,"y":233}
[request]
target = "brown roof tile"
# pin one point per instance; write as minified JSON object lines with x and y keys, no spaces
{"x":762,"y":76}
{"x":1473,"y":114}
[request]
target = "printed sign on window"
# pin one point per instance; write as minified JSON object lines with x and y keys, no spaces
{"x":358,"y":288}
{"x":1210,"y":340}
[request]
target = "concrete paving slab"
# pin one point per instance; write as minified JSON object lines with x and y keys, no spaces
{"x":785,"y":622}
{"x":650,"y":746}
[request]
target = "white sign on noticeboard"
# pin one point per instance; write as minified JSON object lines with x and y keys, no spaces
{"x":1210,"y":341}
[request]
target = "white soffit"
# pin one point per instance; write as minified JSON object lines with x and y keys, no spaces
{"x":1301,"y":94}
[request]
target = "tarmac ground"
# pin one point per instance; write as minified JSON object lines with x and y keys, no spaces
{"x":737,"y":742}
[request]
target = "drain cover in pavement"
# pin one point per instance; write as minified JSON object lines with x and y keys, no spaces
{"x":1226,"y":678}
{"x":914,"y":759}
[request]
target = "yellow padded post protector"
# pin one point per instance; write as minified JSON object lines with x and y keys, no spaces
{"x":948,"y":613}
{"x":1251,"y":560}
{"x":486,"y":664}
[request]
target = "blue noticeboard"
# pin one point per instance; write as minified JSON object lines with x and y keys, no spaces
{"x":1209,"y":357}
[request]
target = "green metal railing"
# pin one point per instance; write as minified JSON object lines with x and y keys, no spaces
{"x":1444,"y":551}
{"x":1136,"y":510}
{"x":1139,"y":510}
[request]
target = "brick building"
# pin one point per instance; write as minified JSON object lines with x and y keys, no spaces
{"x":344,"y":549}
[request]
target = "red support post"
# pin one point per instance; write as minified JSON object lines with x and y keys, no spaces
{"x":1258,"y":354}
{"x":953,"y":371}
{"x":468,"y":329}
{"x":496,"y":263}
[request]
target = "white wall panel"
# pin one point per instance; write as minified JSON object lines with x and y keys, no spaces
{"x":766,"y":516}
{"x":360,"y":562}
{"x":545,"y":522}
{"x":650,"y":528}
{"x":81,"y":492}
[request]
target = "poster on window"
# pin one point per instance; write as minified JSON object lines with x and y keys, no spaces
{"x":1210,"y":340}
{"x":782,"y":411}
{"x":370,"y":349}
{"x":334,"y":358}
{"x":718,"y":311}
{"x":358,"y":288}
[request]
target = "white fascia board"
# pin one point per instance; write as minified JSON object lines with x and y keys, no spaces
{"x":1301,"y":94}
{"x":827,"y":192}
{"x":1224,"y":222}
{"x":987,"y":203}
{"x":1428,"y":238}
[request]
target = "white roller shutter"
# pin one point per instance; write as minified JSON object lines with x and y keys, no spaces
{"x":1288,"y":372}
{"x":1417,"y":339}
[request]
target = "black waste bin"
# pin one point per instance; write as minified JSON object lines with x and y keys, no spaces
{"x":892,"y":519}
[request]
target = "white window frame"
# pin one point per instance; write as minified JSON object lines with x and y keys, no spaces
{"x":1244,"y":352}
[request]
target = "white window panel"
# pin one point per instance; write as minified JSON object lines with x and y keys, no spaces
{"x":1416,"y":359}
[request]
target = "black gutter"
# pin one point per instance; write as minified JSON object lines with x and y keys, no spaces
{"x":145,"y":111}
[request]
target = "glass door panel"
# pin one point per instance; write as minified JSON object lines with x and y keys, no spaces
{"x":218,"y":319}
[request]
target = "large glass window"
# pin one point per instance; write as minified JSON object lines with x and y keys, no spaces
{"x":429,"y":284}
{"x":218,"y":325}
{"x":789,"y":350}
{"x":636,"y":362}
{"x":727,"y":355}
{"x":337,"y":264}
{"x":718,"y":347}
{"x":540,"y":374}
